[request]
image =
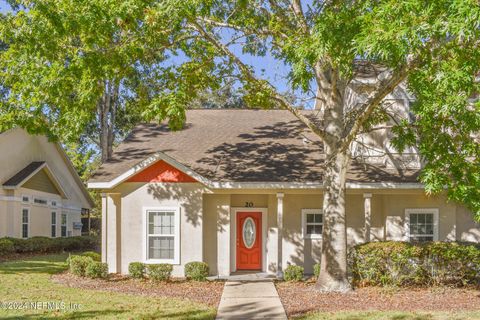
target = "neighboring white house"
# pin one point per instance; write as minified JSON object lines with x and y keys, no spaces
{"x":40,"y":193}
{"x":242,"y":190}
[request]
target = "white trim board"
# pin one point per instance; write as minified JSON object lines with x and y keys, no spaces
{"x":233,"y":235}
{"x":240,"y":185}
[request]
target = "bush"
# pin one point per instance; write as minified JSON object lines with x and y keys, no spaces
{"x":159,"y":272}
{"x":6,"y":247}
{"x":293,"y":273}
{"x":196,"y":270}
{"x":44,"y":244}
{"x":78,"y":264}
{"x":96,"y":269}
{"x":316,"y":270}
{"x":94,"y":255}
{"x":136,"y":270}
{"x":403,"y":264}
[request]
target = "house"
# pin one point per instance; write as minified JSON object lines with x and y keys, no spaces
{"x":41,"y":193}
{"x":242,"y":190}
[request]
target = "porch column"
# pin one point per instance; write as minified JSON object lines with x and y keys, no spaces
{"x":368,"y":214}
{"x":112,"y":219}
{"x":222,"y":207}
{"x":280,"y":234}
{"x":104,"y":227}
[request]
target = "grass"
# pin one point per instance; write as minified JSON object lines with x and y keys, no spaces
{"x":28,"y":280}
{"x":392,"y":315}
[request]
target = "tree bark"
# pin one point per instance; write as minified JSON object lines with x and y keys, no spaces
{"x":106,"y":115}
{"x":333,"y":269}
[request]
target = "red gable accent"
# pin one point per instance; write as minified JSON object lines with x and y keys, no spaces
{"x":161,"y":172}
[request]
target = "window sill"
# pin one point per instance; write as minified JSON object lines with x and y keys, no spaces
{"x":155,"y":261}
{"x":312,"y":237}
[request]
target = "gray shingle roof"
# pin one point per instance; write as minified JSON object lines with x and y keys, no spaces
{"x":238,"y":146}
{"x":23,"y":174}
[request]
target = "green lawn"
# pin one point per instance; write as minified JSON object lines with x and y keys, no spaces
{"x":392,"y":315}
{"x":29,"y":280}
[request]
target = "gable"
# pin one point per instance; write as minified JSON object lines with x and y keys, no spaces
{"x":41,"y":182}
{"x":161,"y":172}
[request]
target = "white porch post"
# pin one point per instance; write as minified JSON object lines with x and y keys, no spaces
{"x":368,"y":214}
{"x":112,"y":219}
{"x":280,"y":234}
{"x":104,"y":227}
{"x":223,"y":236}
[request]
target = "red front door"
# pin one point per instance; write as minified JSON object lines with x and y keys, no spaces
{"x":249,"y":240}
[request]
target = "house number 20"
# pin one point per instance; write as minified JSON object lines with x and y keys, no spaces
{"x":248,"y":204}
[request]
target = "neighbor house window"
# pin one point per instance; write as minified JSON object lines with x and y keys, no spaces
{"x":25,"y":199}
{"x":54,"y":203}
{"x":163,"y":235}
{"x":63,"y":225}
{"x":421,"y":224}
{"x":39,"y":201}
{"x":25,"y":222}
{"x":312,"y":222}
{"x":54,"y":224}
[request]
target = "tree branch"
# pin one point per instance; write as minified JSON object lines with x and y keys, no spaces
{"x":382,"y":89}
{"x":248,"y":74}
{"x":298,"y":12}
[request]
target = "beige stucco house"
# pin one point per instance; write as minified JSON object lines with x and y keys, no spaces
{"x":242,"y":190}
{"x":41,"y":193}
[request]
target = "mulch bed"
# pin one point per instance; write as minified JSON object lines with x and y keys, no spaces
{"x":207,"y":292}
{"x":300,"y":298}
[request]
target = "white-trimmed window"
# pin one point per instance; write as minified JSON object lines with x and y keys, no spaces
{"x":163,"y":235}
{"x":63,"y":225}
{"x":40,"y":201}
{"x":25,"y":199}
{"x":312,"y":223}
{"x":54,"y":224}
{"x":53,"y":203}
{"x":421,"y":224}
{"x":25,"y":222}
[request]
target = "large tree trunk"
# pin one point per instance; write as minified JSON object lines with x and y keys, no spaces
{"x":333,"y":271}
{"x":107,"y":114}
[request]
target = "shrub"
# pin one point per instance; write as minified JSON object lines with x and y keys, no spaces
{"x":94,"y":255}
{"x":39,"y":244}
{"x":196,"y":270}
{"x":6,"y":247}
{"x":44,"y":244}
{"x":78,"y":264}
{"x":316,"y":270}
{"x":293,"y":273}
{"x":403,"y":264}
{"x":96,"y":269}
{"x":159,"y":272}
{"x":136,"y":270}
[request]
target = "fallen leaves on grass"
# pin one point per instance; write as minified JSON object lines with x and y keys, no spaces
{"x":300,"y":298}
{"x":207,"y":292}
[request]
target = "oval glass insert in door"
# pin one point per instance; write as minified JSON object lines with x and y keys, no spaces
{"x":249,"y":232}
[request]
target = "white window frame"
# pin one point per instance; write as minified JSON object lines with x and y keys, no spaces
{"x":64,"y":225}
{"x":28,"y":223}
{"x":433,"y":211}
{"x":176,"y":235}
{"x":28,"y":199}
{"x":52,"y":213}
{"x":304,"y":223}
{"x":53,"y":203}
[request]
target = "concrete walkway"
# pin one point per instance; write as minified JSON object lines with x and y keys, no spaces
{"x":250,"y":300}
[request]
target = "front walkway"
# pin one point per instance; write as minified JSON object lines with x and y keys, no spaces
{"x":250,"y":300}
